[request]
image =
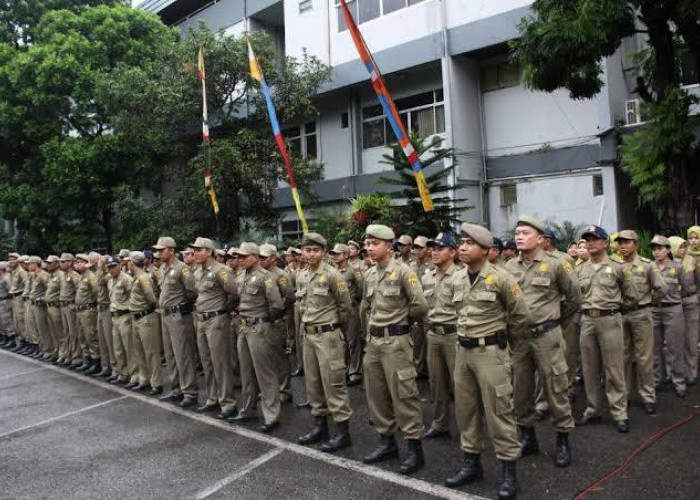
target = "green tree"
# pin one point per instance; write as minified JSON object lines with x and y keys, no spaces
{"x":562,"y":46}
{"x":409,"y":215}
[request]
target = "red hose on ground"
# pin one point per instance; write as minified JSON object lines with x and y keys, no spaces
{"x":646,"y":444}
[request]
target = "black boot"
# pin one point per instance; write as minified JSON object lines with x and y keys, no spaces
{"x":87,"y":363}
{"x":317,"y":433}
{"x":19,"y":345}
{"x":94,"y":368}
{"x":339,"y":440}
{"x":415,"y":459}
{"x":528,"y":441}
{"x":563,"y":450}
{"x":508,"y":484}
{"x":470,"y":470}
{"x":387,"y":449}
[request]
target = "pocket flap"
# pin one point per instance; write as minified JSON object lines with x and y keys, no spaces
{"x":320,"y":291}
{"x":391,"y":292}
{"x":560,"y":368}
{"x":486,"y":296}
{"x":407,"y":373}
{"x":458,"y":296}
{"x":504,"y":390}
{"x":337,"y":365}
{"x":541,"y":281}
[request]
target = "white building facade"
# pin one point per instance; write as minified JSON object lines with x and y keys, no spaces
{"x":446,"y":64}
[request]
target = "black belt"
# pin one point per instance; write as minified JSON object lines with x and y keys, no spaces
{"x":546,"y":326}
{"x":119,"y":313}
{"x":39,"y":303}
{"x":253,"y":321}
{"x":391,"y":331}
{"x":103,"y":307}
{"x":183,"y":309}
{"x":65,"y":303}
{"x":142,"y":314}
{"x":498,"y":338}
{"x":599,"y":313}
{"x":85,"y":306}
{"x":210,"y":314}
{"x":667,"y":304}
{"x":322,"y":328}
{"x":55,"y":303}
{"x":636,"y":307}
{"x":16,"y":294}
{"x":443,"y":328}
{"x":26,"y":299}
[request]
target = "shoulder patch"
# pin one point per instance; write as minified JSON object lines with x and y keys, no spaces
{"x":567,"y":266}
{"x":223,"y":275}
{"x":412,"y":280}
{"x":515,"y":290}
{"x":185,"y":271}
{"x":268,"y":283}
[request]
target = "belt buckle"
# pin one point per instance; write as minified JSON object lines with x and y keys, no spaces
{"x":595,"y":313}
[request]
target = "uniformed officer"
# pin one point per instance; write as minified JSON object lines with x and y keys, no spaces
{"x":33,"y":263}
{"x":71,"y":330}
{"x":509,"y":250}
{"x":668,"y":318}
{"x":403,"y":247}
{"x":326,"y":309}
{"x":602,"y":345}
{"x":119,"y":287}
{"x":53,"y":307}
{"x":441,"y":327}
{"x":491,"y":309}
{"x":354,"y":258}
{"x":353,"y":332}
{"x":645,"y":286}
{"x":178,"y":292}
{"x":19,"y":276}
{"x":124,"y":259}
{"x":298,"y":334}
{"x":239,"y":276}
{"x":420,"y":264}
{"x":260,"y":304}
{"x":495,"y":253}
{"x":86,"y":305}
{"x":268,"y":261}
{"x":549,"y":245}
{"x":6,"y":327}
{"x":38,"y":297}
{"x":216,"y":297}
{"x":551,"y":291}
{"x":393,"y":299}
{"x":104,"y":320}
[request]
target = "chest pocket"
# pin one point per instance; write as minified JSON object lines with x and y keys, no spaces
{"x":458,"y":297}
{"x":321,"y":292}
{"x":485,"y":296}
{"x":541,"y":281}
{"x":392,"y":291}
{"x":252,"y":289}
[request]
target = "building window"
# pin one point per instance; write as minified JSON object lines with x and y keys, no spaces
{"x":423,"y":114}
{"x":366,"y":10}
{"x":689,"y":70}
{"x":304,"y":5}
{"x":291,"y":229}
{"x":500,"y":76}
{"x":303,"y":140}
{"x":509,"y":195}
{"x":598,"y":185}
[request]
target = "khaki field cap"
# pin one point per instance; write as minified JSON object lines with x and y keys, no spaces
{"x":420,"y":241}
{"x":52,"y":258}
{"x":339,"y":248}
{"x":137,"y":257}
{"x":93,"y":258}
{"x":165,"y":242}
{"x":66,"y":257}
{"x":479,"y":234}
{"x":267,"y":250}
{"x":248,"y":248}
{"x":35,"y":259}
{"x":123,"y":253}
{"x":660,"y":241}
{"x":219,"y":252}
{"x":313,"y":239}
{"x":3,"y":265}
{"x":355,"y":244}
{"x":528,"y":220}
{"x":405,"y":240}
{"x":202,"y":243}
{"x":82,"y":256}
{"x":13,"y":255}
{"x":294,"y":251}
{"x":627,"y":234}
{"x":232,"y":251}
{"x":379,"y":232}
{"x":23,"y":258}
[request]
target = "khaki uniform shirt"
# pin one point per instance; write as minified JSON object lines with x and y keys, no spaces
{"x":142,"y":296}
{"x":439,"y":290}
{"x":177,"y":285}
{"x":353,"y":277}
{"x":41,"y":280}
{"x":545,"y":281}
{"x":260,"y":297}
{"x":326,"y":298}
{"x":420,"y":268}
{"x":53,"y":288}
{"x":28,"y":285}
{"x":672,"y":273}
{"x":69,"y":284}
{"x":494,"y":302}
{"x":87,"y":290}
{"x":284,"y":284}
{"x":601,"y":284}
{"x":120,"y":292}
{"x":19,"y":276}
{"x":216,"y":289}
{"x":102,"y":286}
{"x":691,"y":270}
{"x":643,"y":283}
{"x":392,"y":295}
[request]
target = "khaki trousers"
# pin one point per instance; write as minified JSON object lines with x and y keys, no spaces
{"x":121,"y":341}
{"x":356,"y":343}
{"x":298,"y":337}
{"x":147,"y":344}
{"x":484,"y":394}
{"x":7,"y":326}
{"x":441,"y":352}
{"x":669,"y":326}
{"x":179,"y":343}
{"x":639,"y":347}
{"x":420,"y":348}
{"x":278,"y":330}
{"x":544,"y":355}
{"x":18,"y":316}
{"x":235,"y":363}
{"x":214,"y":342}
{"x":258,"y":358}
{"x":55,"y":328}
{"x":30,"y":323}
{"x":89,"y":341}
{"x":42,"y":328}
{"x":602,"y":352}
{"x":69,"y":323}
{"x":570,"y":329}
{"x":324,"y":370}
{"x":390,"y":385}
{"x":105,"y":340}
{"x":691,"y":312}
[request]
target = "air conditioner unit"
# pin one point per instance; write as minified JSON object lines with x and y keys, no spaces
{"x":633,"y":112}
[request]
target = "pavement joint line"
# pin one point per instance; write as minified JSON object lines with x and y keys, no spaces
{"x":60,"y":417}
{"x":238,"y":473}
{"x":12,"y":375}
{"x":418,"y":485}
